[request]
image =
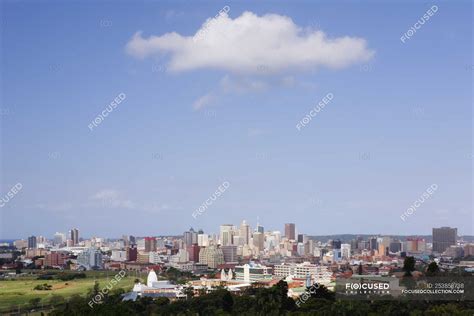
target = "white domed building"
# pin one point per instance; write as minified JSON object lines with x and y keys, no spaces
{"x":155,"y":288}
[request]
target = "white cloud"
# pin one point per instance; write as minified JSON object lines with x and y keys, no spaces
{"x":111,"y":198}
{"x":203,"y":101}
{"x":250,"y":43}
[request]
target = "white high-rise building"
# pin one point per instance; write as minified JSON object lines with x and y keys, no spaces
{"x":203,"y":240}
{"x":226,"y":234}
{"x":59,"y":239}
{"x":118,"y":255}
{"x":91,"y":258}
{"x":346,"y":251}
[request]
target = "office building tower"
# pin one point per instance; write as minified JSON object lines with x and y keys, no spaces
{"x":132,"y":253}
{"x":244,"y":233}
{"x":226,"y":234}
{"x":258,"y":241}
{"x":444,"y":237}
{"x":59,"y":239}
{"x":290,"y":231}
{"x":32,"y":242}
{"x":190,"y":237}
{"x":203,"y":240}
{"x":346,"y":251}
{"x":212,"y":256}
{"x":90,"y":259}
{"x":230,"y":253}
{"x":193,"y":251}
{"x":300,"y":237}
{"x":74,"y":236}
{"x":150,"y":244}
{"x":373,"y":243}
{"x":395,"y":246}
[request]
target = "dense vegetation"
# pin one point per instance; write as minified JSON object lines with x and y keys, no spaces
{"x":260,"y":301}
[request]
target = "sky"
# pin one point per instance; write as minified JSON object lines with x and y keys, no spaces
{"x":214,"y":93}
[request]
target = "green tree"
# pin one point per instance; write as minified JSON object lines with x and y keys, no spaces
{"x":409,"y":265}
{"x":432,"y":269}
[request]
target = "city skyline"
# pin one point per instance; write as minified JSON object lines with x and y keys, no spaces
{"x":118,"y":120}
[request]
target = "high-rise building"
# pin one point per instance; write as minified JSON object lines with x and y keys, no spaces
{"x":74,"y":236}
{"x":415,"y":244}
{"x":230,"y":253}
{"x":132,"y":253}
{"x":244,"y":233}
{"x":90,"y":258}
{"x":203,"y":240}
{"x":193,"y":251}
{"x":302,"y":238}
{"x":32,"y":242}
{"x":212,"y":256}
{"x":59,"y":239}
{"x":336,"y":244}
{"x":227,"y":234}
{"x":395,"y":246}
{"x":346,"y":251}
{"x":258,"y":240}
{"x":444,"y":237}
{"x":260,"y":229}
{"x":290,"y":231}
{"x":373,"y":243}
{"x":150,"y":244}
{"x":190,"y":237}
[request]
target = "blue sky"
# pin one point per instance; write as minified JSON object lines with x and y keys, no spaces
{"x":399,"y":122}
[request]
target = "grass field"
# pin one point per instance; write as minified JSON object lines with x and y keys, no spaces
{"x":20,"y":291}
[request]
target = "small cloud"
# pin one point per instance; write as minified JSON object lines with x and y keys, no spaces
{"x":112,"y":199}
{"x":203,"y":101}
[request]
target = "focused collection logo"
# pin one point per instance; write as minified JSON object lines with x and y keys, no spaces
{"x":367,"y":288}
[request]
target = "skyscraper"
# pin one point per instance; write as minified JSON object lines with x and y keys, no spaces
{"x":230,"y":253}
{"x":32,"y":242}
{"x":258,"y":240}
{"x":226,"y":234}
{"x":290,"y":231}
{"x":212,"y":256}
{"x":244,"y":233}
{"x":150,"y":244}
{"x":74,"y":236}
{"x":190,"y":237}
{"x":443,"y":238}
{"x":59,"y":239}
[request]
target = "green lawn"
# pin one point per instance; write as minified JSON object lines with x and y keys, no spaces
{"x":20,"y":291}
